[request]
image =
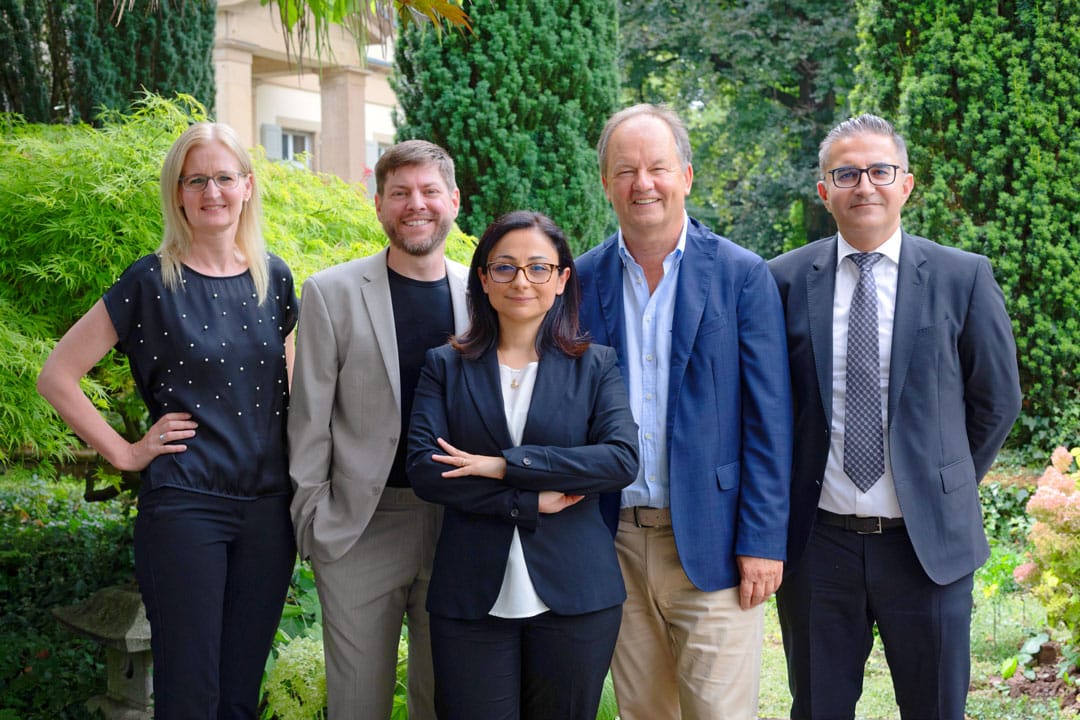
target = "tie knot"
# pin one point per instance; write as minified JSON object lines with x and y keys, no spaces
{"x":865,"y":261}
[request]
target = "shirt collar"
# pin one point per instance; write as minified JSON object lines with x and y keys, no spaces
{"x":680,"y":246}
{"x":890,"y":248}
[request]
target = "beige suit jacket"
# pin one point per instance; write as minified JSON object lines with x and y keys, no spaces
{"x":345,"y":410}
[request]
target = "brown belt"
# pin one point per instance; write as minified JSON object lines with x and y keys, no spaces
{"x":860,"y":525}
{"x":646,"y":517}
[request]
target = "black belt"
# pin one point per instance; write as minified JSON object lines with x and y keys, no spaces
{"x":860,"y":525}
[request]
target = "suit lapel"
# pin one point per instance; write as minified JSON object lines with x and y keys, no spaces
{"x":458,"y":290}
{"x":912,"y":283}
{"x":695,"y":278}
{"x":609,"y":286}
{"x":376,"y":294}
{"x":820,"y":286}
{"x":485,"y":389}
{"x":549,"y":399}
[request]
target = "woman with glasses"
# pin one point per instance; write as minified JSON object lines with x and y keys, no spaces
{"x":206,"y":322}
{"x":517,"y":426}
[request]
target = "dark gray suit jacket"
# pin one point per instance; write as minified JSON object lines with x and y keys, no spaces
{"x":954,"y":392}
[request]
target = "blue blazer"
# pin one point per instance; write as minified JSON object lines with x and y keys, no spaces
{"x":954,"y":392}
{"x":729,"y":403}
{"x":579,"y":438}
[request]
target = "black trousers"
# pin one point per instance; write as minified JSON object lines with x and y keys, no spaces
{"x":828,"y":606}
{"x":213,"y":573}
{"x":539,"y":668}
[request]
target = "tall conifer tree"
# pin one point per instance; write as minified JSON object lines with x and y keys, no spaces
{"x":70,"y":58}
{"x":986,"y":94}
{"x":519,"y":103}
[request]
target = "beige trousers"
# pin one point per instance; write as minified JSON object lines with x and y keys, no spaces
{"x":681,"y":653}
{"x":365,"y":594}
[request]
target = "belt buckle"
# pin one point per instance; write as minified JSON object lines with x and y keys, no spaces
{"x":876,"y":531}
{"x":637,"y":521}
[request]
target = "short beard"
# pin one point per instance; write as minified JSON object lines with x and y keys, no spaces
{"x":420,"y":248}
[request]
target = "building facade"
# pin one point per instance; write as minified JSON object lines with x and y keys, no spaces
{"x":334,"y":115}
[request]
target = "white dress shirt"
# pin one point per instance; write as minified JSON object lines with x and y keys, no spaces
{"x":838,"y":493}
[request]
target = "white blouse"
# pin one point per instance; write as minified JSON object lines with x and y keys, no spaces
{"x":517,"y":596}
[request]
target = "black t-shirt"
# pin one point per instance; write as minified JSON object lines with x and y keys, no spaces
{"x":423,"y":319}
{"x":210,"y":349}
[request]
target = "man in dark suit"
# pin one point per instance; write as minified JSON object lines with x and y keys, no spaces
{"x":699,"y":331}
{"x":905,"y":386}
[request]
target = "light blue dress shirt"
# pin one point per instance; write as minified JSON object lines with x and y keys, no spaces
{"x":649,"y":320}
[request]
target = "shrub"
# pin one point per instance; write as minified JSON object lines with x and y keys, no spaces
{"x":1054,"y":573}
{"x":295,"y":687}
{"x":58,"y":549}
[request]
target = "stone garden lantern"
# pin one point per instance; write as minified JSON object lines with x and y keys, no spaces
{"x":115,"y":617}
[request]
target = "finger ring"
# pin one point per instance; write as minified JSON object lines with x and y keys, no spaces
{"x":161,"y":437}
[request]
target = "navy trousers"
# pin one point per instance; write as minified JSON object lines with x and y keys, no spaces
{"x":538,"y":668}
{"x":213,"y":573}
{"x":828,"y":606}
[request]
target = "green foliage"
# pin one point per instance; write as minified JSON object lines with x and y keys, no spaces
{"x":1024,"y":659}
{"x":519,"y":104}
{"x":756,"y":104}
{"x":985,"y":95}
{"x":1004,"y":517}
{"x":79,"y":204}
{"x":57,"y":550}
{"x":73,"y":57}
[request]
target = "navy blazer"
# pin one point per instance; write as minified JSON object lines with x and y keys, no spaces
{"x":954,"y":392}
{"x":579,"y":438}
{"x":729,"y":401}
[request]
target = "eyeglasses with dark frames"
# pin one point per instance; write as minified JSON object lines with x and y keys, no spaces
{"x":224,"y":181}
{"x":536,"y":273}
{"x":878,"y":174}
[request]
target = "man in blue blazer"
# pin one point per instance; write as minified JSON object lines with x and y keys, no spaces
{"x":885,"y":525}
{"x":698,"y":328}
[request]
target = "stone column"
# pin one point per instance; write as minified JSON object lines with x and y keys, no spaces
{"x":343,"y":143}
{"x":235,"y":94}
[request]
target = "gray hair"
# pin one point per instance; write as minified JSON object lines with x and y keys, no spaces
{"x":661,"y":112}
{"x":865,"y":124}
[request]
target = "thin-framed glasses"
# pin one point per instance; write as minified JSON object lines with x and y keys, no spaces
{"x":878,"y":173}
{"x":536,"y":273}
{"x":224,"y":181}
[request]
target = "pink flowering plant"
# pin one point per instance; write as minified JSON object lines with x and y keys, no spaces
{"x":1054,"y":571}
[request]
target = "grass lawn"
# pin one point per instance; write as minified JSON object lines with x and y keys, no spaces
{"x":998,"y":628}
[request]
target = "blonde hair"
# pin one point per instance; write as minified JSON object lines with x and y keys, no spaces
{"x":176,"y":240}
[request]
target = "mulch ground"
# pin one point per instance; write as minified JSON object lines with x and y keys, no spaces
{"x":1046,"y":683}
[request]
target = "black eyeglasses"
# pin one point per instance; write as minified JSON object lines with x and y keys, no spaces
{"x":849,"y":177}
{"x":224,"y":180}
{"x":536,"y":273}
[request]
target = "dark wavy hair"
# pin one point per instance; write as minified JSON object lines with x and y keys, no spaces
{"x":560,"y":329}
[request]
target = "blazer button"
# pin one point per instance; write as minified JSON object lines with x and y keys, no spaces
{"x":526,"y":461}
{"x":514,"y":512}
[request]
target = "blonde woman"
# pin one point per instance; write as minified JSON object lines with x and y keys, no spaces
{"x":206,"y":322}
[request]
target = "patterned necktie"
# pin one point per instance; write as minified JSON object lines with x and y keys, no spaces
{"x":864,"y":455}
